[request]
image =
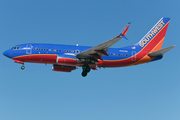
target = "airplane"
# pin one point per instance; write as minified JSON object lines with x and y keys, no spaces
{"x":66,"y":58}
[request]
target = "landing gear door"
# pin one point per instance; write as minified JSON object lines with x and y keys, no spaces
{"x":28,"y":49}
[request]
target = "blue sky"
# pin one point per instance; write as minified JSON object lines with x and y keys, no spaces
{"x":144,"y":92}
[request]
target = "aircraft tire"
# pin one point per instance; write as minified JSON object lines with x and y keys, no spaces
{"x":22,"y":67}
{"x":84,"y":73}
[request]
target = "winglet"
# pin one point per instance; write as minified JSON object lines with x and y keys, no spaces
{"x":124,"y":31}
{"x":124,"y":37}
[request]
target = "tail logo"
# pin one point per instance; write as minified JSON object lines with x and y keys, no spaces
{"x":152,"y":33}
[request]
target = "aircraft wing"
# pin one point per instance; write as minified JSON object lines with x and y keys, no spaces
{"x":98,"y":51}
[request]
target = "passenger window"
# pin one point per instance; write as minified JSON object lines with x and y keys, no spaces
{"x":64,"y":50}
{"x":49,"y":49}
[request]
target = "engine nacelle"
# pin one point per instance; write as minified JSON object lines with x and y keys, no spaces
{"x":62,"y":68}
{"x":67,"y":59}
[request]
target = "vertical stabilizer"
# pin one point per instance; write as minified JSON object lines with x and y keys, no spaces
{"x":153,"y":40}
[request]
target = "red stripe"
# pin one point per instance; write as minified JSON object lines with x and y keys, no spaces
{"x":38,"y":58}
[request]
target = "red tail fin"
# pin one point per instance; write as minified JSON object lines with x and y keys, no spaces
{"x":155,"y":37}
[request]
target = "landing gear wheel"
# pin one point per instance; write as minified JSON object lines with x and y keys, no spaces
{"x":84,"y":73}
{"x":22,"y":67}
{"x":86,"y":69}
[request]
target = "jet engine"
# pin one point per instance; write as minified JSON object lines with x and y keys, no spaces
{"x":67,"y":59}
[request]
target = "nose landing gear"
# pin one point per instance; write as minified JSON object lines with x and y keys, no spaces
{"x":22,"y":67}
{"x":21,"y":62}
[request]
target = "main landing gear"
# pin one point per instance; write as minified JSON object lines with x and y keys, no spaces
{"x":86,"y":69}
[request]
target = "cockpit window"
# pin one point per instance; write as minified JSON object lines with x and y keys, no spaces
{"x":15,"y":48}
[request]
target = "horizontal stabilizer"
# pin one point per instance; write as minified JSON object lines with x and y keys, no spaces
{"x":160,"y":52}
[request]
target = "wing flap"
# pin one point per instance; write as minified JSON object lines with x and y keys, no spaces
{"x":101,"y":47}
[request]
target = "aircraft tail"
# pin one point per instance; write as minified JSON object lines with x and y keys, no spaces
{"x":153,"y":40}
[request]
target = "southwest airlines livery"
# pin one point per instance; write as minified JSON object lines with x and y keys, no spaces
{"x":65,"y":58}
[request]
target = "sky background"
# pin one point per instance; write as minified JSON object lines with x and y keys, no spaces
{"x":143,"y":92}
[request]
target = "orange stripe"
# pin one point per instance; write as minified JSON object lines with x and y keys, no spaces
{"x":146,"y":58}
{"x":158,"y":46}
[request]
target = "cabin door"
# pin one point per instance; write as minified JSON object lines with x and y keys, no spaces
{"x":28,"y":49}
{"x":133,"y":55}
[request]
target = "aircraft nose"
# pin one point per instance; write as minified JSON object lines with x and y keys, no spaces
{"x":6,"y":53}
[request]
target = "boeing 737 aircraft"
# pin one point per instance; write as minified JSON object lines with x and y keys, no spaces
{"x":65,"y":58}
